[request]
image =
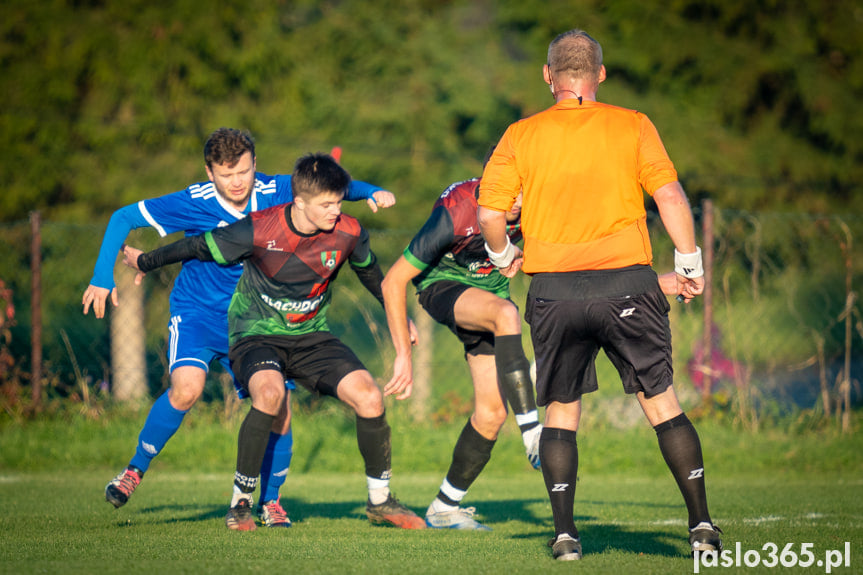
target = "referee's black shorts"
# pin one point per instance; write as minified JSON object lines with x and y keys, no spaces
{"x":572,"y":315}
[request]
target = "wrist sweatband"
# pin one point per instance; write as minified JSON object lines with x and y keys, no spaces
{"x":688,"y":265}
{"x":505,"y":257}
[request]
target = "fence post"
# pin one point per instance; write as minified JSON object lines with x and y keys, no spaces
{"x":36,"y":310}
{"x":422,"y":365}
{"x":128,"y":358}
{"x":707,"y":336}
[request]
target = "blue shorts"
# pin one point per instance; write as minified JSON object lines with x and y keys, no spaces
{"x":197,"y":340}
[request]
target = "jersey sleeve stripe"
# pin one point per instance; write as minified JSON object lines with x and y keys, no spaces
{"x":412,"y":260}
{"x":214,"y":249}
{"x":151,"y":220}
{"x":365,"y":263}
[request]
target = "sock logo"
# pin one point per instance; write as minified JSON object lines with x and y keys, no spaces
{"x":282,"y":473}
{"x":696,"y":473}
{"x":627,"y":312}
{"x":149,"y":448}
{"x":244,"y":481}
{"x":560,"y":486}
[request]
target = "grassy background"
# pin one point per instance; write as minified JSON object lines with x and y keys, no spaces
{"x":781,"y":485}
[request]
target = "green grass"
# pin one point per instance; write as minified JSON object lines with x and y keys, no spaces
{"x":773,"y":486}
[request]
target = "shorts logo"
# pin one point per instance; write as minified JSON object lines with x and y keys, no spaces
{"x":329,"y":259}
{"x":560,"y":486}
{"x":696,"y":473}
{"x":627,"y":312}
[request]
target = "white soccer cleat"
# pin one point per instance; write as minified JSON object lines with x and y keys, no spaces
{"x":458,"y":518}
{"x":531,"y":445}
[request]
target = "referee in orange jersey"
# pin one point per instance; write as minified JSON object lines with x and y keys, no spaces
{"x":583,"y":167}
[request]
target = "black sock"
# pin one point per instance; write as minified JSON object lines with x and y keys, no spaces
{"x":513,"y":371}
{"x":679,"y":444}
{"x":373,"y":437}
{"x":558,"y":451}
{"x":251,"y":447}
{"x":469,"y":457}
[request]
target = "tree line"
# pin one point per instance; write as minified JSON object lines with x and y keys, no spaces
{"x":109,"y":102}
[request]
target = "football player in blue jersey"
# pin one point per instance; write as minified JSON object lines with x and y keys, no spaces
{"x":278,"y":328}
{"x":198,"y":327}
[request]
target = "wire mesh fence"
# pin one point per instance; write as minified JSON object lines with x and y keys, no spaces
{"x":785,"y":330}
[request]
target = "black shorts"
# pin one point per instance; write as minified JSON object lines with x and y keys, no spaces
{"x":318,"y":361}
{"x":567,"y":334}
{"x":439,"y":299}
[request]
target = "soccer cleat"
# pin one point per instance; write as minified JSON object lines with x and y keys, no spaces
{"x":531,"y":445}
{"x":391,"y":512}
{"x":705,"y":537}
{"x":565,"y":547}
{"x":239,"y":516}
{"x":272,"y":514}
{"x":458,"y":518}
{"x":120,"y":489}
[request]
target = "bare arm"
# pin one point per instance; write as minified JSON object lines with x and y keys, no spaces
{"x":492,"y":224}
{"x":677,"y":218}
{"x":395,"y":302}
{"x":507,"y":257}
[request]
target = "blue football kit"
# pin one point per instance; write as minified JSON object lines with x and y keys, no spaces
{"x":202,"y":291}
{"x":199,"y":300}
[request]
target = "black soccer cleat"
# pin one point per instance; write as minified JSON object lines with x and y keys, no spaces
{"x":565,"y":547}
{"x":705,"y":537}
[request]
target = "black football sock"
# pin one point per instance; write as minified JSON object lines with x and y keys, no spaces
{"x":373,"y":438}
{"x":251,"y":446}
{"x":681,"y":449}
{"x":558,"y":451}
{"x":513,"y":372}
{"x":469,"y":457}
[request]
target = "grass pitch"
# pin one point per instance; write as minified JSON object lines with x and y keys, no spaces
{"x":773,"y":487}
{"x":60,"y":523}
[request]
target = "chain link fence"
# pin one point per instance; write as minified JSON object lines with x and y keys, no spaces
{"x":785,"y":330}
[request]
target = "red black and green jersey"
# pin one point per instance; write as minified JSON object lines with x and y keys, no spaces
{"x":284,"y":288}
{"x":449,"y":245}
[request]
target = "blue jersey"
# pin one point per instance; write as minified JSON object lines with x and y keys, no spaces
{"x":201,"y":287}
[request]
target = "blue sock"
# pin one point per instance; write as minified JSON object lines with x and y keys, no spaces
{"x":162,"y":422}
{"x":277,"y":460}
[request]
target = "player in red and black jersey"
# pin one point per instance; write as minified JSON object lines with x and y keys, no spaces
{"x":462,"y":289}
{"x":278,"y":327}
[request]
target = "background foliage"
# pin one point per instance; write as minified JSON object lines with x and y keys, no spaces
{"x":109,"y":102}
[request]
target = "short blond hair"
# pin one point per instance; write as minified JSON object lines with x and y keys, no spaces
{"x":575,"y":55}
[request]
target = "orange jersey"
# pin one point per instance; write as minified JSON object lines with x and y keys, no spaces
{"x":583,"y":169}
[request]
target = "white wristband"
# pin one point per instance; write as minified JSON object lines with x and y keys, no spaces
{"x":688,"y":265}
{"x":504,"y":258}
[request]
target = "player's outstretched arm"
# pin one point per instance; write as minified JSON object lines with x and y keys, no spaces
{"x":394,"y":288}
{"x":130,"y":259}
{"x":381,"y":199}
{"x":192,"y":247}
{"x":97,"y":296}
{"x":102,"y":284}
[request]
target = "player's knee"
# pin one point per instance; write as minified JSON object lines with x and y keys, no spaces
{"x":183,"y":397}
{"x":490,"y":418}
{"x":507,"y":318}
{"x":268,"y":397}
{"x":360,"y":392}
